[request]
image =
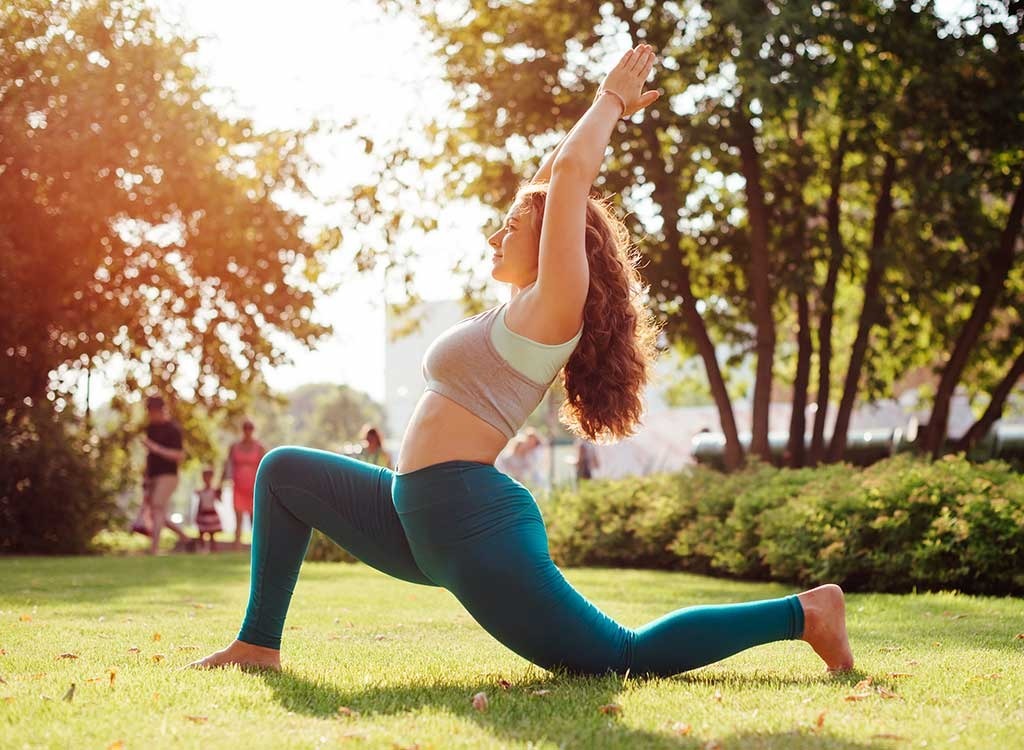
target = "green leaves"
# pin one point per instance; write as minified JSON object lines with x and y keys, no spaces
{"x":137,"y":221}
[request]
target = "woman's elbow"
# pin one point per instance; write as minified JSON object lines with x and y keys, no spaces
{"x":568,"y":165}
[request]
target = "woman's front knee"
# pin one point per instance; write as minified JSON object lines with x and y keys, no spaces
{"x":278,"y":463}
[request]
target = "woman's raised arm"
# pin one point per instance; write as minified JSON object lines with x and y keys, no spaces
{"x":563,"y":276}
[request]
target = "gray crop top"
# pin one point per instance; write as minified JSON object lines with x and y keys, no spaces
{"x":493,"y":372}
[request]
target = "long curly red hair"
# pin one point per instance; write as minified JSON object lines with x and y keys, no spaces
{"x":605,"y":377}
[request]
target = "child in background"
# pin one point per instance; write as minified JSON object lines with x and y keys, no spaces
{"x":207,"y":518}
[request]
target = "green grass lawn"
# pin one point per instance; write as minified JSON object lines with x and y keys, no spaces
{"x":946,"y":670}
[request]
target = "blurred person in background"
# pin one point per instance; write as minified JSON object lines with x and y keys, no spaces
{"x":373,"y":448}
{"x":586,"y":459}
{"x":243,"y":459}
{"x":164,"y":451}
{"x":207,"y":517}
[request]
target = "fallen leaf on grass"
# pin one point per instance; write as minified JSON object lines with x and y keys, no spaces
{"x":116,"y":745}
{"x":712,"y":745}
{"x":820,"y":721}
{"x":157,"y":658}
{"x":863,"y":684}
{"x":887,"y":693}
{"x":26,"y":618}
{"x":91,"y":680}
{"x":113,"y":676}
{"x":3,"y":651}
{"x":346,"y":711}
{"x":857,"y":696}
{"x":68,"y":656}
{"x":611,"y":709}
{"x":1018,"y":637}
{"x":993,"y":676}
{"x":413,"y":746}
{"x":156,"y":697}
{"x":504,"y":684}
{"x":38,"y":676}
{"x":134,"y":650}
{"x":681,"y":728}
{"x":9,"y":698}
{"x":197,"y":719}
{"x":157,"y":636}
{"x":354,"y":735}
{"x":480,"y":702}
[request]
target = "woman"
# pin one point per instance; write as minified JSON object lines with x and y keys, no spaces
{"x":373,"y":448}
{"x":447,"y":517}
{"x":244,"y":458}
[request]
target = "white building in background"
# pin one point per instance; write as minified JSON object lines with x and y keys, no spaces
{"x":663,"y":443}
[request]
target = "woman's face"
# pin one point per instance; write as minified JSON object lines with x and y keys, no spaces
{"x":516,"y":247}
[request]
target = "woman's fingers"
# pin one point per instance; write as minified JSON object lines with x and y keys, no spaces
{"x":636,"y":58}
{"x":643,"y":61}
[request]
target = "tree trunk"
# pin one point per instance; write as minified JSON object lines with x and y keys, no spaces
{"x":995,"y":406}
{"x":667,"y":196}
{"x":797,"y":421}
{"x":828,"y":297}
{"x":733,"y":450}
{"x":996,"y":269}
{"x":760,"y":283}
{"x":869,"y":310}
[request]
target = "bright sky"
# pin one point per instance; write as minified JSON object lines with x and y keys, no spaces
{"x":287,"y":64}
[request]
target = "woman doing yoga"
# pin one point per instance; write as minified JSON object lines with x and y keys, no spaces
{"x":447,"y":517}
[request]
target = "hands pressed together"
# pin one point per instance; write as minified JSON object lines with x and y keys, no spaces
{"x":626,"y":80}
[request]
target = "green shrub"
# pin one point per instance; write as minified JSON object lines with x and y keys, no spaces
{"x":899,"y":524}
{"x":616,"y":522}
{"x":323,"y":549}
{"x":55,"y":488}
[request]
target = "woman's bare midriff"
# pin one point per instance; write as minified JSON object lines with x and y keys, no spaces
{"x":441,"y":430}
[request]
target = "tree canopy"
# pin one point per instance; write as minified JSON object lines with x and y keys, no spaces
{"x":140,"y":227}
{"x":831,"y":190}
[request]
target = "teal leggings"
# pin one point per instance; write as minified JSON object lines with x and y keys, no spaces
{"x":477,"y":532}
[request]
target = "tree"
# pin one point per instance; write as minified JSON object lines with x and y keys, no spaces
{"x":799,"y":167}
{"x":142,"y":229}
{"x":138,"y":224}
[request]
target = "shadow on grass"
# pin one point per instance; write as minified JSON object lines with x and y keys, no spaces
{"x":568,"y":713}
{"x":889,"y":620}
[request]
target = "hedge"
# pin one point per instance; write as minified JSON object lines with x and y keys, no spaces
{"x":900,"y":524}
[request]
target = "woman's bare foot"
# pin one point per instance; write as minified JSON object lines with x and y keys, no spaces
{"x":244,"y":655}
{"x":825,"y":626}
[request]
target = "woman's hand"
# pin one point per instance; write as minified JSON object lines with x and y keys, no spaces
{"x":627,"y":79}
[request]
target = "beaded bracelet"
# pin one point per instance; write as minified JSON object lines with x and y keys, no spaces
{"x":617,"y":96}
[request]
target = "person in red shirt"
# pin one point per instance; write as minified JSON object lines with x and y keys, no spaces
{"x":240,"y":467}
